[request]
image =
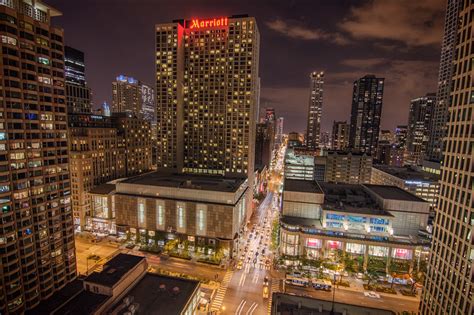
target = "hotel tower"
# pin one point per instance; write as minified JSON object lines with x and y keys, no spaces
{"x":207,"y":89}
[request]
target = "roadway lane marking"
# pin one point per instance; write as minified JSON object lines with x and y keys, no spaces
{"x":219,"y":298}
{"x":255,"y":277}
{"x":242,"y":279}
{"x":241,"y":307}
{"x":252,"y":308}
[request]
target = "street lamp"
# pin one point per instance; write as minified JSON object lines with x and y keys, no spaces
{"x":333,"y":295}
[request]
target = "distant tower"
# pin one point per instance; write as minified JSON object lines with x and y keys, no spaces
{"x":314,"y":110}
{"x":367,"y":99}
{"x":419,"y":119}
{"x":78,"y":94}
{"x":106,"y":109}
{"x":340,"y":135}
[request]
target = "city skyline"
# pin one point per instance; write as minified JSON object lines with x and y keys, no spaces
{"x":186,"y":196}
{"x":289,"y":33}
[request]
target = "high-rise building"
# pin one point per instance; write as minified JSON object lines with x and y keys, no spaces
{"x":279,"y":131}
{"x":386,"y":135}
{"x":401,"y":136}
{"x":130,"y":95}
{"x":149,"y":107}
{"x":325,"y":140}
{"x":78,"y":94}
{"x":367,"y":99}
{"x":440,"y":111}
{"x":419,"y":119}
{"x":340,"y":135}
{"x":37,"y":231}
{"x":102,"y":149}
{"x":126,"y":95}
{"x":207,"y":89}
{"x":449,"y":282}
{"x":390,"y":154}
{"x":315,"y":107}
{"x":270,"y":114}
{"x":264,"y":143}
{"x":348,"y":167}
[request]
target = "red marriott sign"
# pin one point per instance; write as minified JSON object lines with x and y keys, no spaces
{"x":199,"y":24}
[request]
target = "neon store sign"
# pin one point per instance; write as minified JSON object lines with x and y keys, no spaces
{"x":207,"y":23}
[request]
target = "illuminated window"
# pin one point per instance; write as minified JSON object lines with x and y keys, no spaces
{"x":181,"y":216}
{"x":43,"y":60}
{"x":8,"y":40}
{"x":141,"y":213}
{"x":160,"y":214}
{"x":201,"y":221}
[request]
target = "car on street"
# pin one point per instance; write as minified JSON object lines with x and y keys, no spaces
{"x":240,"y":264}
{"x":265,"y":292}
{"x":265,"y":280}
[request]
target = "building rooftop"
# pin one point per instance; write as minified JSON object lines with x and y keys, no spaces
{"x":291,"y":158}
{"x":298,"y":185}
{"x":157,"y":294}
{"x":346,"y":153}
{"x":59,"y":298}
{"x":301,"y":221}
{"x":85,"y":302}
{"x":350,"y":198}
{"x":187,"y":181}
{"x":392,"y":192}
{"x":103,"y":189}
{"x":115,"y":269}
{"x":408,"y":173}
{"x":289,"y":303}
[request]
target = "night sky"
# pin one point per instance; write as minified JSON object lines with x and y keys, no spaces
{"x":395,"y":39}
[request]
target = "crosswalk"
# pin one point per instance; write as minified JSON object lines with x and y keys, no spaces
{"x":274,"y":289}
{"x":219,"y":298}
{"x":260,"y":266}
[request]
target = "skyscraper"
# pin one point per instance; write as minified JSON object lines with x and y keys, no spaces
{"x":37,"y":233}
{"x":78,"y":94}
{"x":315,"y":106}
{"x":126,"y":95}
{"x":279,"y":131}
{"x":367,"y":99}
{"x":440,"y":111}
{"x":340,"y":135}
{"x":207,"y":88}
{"x":419,"y":118}
{"x":130,"y":95}
{"x":449,"y":282}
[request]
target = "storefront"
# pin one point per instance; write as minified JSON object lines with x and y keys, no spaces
{"x":313,"y":248}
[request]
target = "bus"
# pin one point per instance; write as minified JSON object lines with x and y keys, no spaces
{"x":321,"y":284}
{"x":296,"y":280}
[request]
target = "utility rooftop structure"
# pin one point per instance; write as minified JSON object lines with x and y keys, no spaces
{"x":350,"y":198}
{"x":186,"y":181}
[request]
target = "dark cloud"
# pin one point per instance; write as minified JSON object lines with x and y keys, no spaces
{"x":297,"y":31}
{"x":412,"y":22}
